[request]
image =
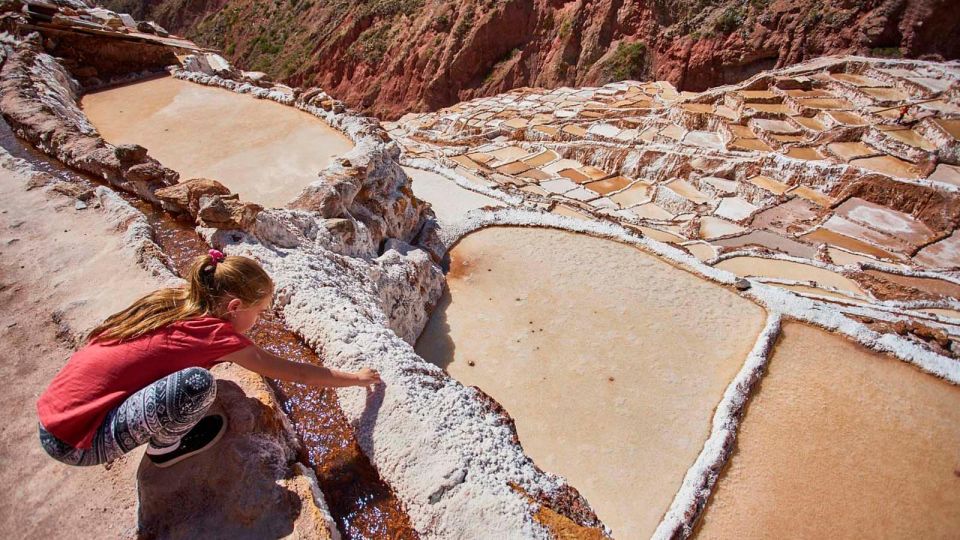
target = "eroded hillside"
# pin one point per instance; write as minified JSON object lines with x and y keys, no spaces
{"x":388,"y":57}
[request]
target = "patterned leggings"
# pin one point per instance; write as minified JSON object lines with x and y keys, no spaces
{"x":159,"y":414}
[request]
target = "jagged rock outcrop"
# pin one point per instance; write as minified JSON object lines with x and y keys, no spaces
{"x":39,"y":99}
{"x":184,"y":197}
{"x":259,"y":453}
{"x":392,"y":57}
{"x":366,"y":187}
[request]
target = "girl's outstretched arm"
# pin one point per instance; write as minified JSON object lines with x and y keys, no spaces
{"x":270,"y":365}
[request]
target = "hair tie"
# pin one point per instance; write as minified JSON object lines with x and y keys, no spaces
{"x":216,"y":256}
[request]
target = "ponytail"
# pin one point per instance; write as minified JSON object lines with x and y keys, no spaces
{"x":212,"y":281}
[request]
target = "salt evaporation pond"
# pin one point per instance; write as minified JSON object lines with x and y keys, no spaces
{"x":610,"y":360}
{"x":265,"y":151}
{"x":775,"y":268}
{"x":841,"y":442}
{"x":449,"y":201}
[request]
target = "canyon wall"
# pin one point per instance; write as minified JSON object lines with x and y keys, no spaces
{"x":389,"y":57}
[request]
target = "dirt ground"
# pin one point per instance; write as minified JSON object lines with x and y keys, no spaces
{"x":54,"y":257}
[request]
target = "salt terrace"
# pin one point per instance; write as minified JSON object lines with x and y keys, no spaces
{"x":840,"y":210}
{"x":629,"y":267}
{"x":808,"y":164}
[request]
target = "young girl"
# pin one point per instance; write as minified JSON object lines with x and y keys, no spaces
{"x":143,"y":375}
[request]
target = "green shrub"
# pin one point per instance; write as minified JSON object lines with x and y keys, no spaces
{"x":729,"y":20}
{"x":464,"y":25}
{"x":629,"y":61}
{"x":389,"y":8}
{"x":886,"y":52}
{"x":372,"y":44}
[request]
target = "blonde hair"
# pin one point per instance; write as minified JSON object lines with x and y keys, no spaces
{"x":209,"y":287}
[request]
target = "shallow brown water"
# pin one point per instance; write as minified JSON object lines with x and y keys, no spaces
{"x":265,"y":151}
{"x":841,"y":442}
{"x":609,"y":360}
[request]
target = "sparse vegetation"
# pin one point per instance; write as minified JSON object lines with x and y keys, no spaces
{"x":628,"y":61}
{"x":372,"y":44}
{"x":503,"y":61}
{"x":565,"y":28}
{"x":886,"y":52}
{"x":729,"y":20}
{"x":464,"y":25}
{"x":389,"y":8}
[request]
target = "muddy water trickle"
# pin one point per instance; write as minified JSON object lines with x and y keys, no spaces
{"x":360,"y":502}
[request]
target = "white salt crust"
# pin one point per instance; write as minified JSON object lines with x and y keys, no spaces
{"x":701,"y":477}
{"x":448,"y":456}
{"x":459,"y":489}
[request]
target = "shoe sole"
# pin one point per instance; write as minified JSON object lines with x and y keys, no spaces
{"x":215,"y":440}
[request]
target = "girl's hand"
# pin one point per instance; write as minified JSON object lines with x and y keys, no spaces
{"x":367,"y":376}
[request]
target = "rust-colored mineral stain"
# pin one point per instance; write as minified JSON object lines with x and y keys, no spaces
{"x":841,"y":442}
{"x":361,"y":503}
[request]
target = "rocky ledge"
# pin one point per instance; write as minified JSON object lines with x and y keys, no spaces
{"x":353,"y":280}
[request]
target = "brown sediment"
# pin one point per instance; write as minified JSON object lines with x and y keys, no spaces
{"x":786,"y":217}
{"x":870,"y":459}
{"x":360,"y":502}
{"x":935,"y":339}
{"x":883,"y":288}
{"x":559,"y":525}
{"x":770,"y":241}
{"x":776,"y":268}
{"x":829,"y":237}
{"x":937,"y":209}
{"x":921,"y":286}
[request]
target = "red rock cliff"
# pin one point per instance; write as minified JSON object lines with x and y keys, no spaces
{"x":388,"y":57}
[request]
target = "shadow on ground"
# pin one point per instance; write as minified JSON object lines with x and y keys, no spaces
{"x":229,"y":491}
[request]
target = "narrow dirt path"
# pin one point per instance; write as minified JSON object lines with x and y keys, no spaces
{"x":55,"y":258}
